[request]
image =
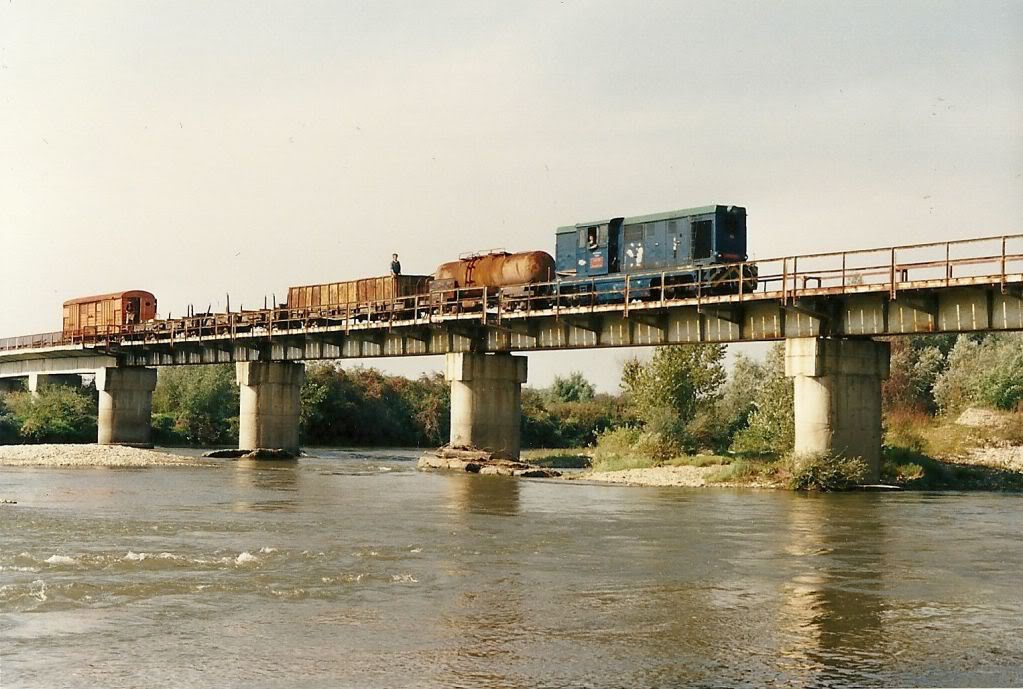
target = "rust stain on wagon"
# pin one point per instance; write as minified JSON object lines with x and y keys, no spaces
{"x":498,"y":269}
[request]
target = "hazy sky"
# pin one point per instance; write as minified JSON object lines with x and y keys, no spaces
{"x":199,"y":148}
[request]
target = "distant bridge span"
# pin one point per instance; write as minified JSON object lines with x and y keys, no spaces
{"x":826,"y":305}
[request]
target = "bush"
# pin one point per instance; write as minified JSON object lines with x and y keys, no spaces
{"x":201,"y":400}
{"x":166,"y":430}
{"x":916,"y":363}
{"x":771,"y":426}
{"x":56,"y":414}
{"x":745,"y":471}
{"x":8,"y":424}
{"x":551,"y":424}
{"x":365,"y":407}
{"x":679,"y":378}
{"x":824,"y":472}
{"x":905,"y":427}
{"x":982,"y":370}
{"x":902,"y":465}
{"x":619,"y":449}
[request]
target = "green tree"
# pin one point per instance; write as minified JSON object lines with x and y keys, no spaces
{"x":771,"y":424}
{"x":55,"y":414}
{"x":984,"y":370}
{"x":739,"y":394}
{"x":916,"y":363}
{"x":573,"y":388}
{"x":678,"y":378}
{"x":362,"y":406}
{"x":201,"y":401}
{"x":667,"y":392}
{"x":960,"y":384}
{"x":9,"y":425}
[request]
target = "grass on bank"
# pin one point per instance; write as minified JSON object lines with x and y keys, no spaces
{"x":564,"y":458}
{"x":920,"y":452}
{"x":931,"y":453}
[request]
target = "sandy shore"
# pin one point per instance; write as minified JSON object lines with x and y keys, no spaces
{"x":88,"y":455}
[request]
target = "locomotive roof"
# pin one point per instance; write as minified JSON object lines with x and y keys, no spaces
{"x":111,"y":295}
{"x":653,"y":217}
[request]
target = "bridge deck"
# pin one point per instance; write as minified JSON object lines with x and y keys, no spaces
{"x":961,"y":286}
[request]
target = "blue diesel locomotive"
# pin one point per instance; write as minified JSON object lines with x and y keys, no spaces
{"x":691,"y":251}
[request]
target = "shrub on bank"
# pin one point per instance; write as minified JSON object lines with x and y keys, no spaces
{"x":363,"y":406}
{"x":824,"y":471}
{"x":770,"y":429}
{"x":984,"y":370}
{"x":196,"y":405}
{"x":8,"y":424}
{"x":55,"y":414}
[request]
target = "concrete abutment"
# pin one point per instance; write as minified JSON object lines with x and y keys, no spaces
{"x":837,"y":385}
{"x":486,"y":400}
{"x":125,"y":405}
{"x":270,"y":396}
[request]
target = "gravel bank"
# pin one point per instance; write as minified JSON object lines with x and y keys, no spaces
{"x":654,"y":476}
{"x":1008,"y":457}
{"x":89,"y":456}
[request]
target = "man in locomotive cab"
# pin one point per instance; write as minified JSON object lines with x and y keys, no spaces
{"x":131,"y":312}
{"x":395,"y":265}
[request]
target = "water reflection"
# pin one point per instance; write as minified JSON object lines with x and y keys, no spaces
{"x":400,"y":578}
{"x":267,"y":479}
{"x":484,"y":494}
{"x":831,"y":612}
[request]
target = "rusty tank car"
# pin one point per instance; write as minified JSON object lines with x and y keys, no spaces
{"x":459,"y":285}
{"x":497,"y":269}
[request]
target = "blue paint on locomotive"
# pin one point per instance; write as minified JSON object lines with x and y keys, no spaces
{"x":684,"y":246}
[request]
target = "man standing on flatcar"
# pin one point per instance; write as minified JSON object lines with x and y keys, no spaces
{"x":395,"y":265}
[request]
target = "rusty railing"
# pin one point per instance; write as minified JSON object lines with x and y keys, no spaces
{"x":986,"y":260}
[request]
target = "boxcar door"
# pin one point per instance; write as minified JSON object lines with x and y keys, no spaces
{"x":132,"y":309}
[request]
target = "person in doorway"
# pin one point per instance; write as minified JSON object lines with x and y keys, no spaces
{"x":395,"y":265}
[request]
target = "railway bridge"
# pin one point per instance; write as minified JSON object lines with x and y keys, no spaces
{"x":828,"y":308}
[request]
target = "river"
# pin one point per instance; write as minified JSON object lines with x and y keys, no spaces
{"x":352,"y":569}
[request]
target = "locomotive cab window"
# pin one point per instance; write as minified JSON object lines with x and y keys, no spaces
{"x":702,"y":239}
{"x":591,"y":237}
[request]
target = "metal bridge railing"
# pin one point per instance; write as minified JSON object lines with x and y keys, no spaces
{"x":984,"y":260}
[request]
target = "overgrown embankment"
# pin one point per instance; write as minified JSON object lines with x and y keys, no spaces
{"x":738,"y":430}
{"x":680,"y":411}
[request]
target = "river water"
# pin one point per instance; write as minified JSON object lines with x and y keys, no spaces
{"x":354,"y":570}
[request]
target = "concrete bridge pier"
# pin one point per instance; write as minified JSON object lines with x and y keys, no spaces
{"x":38,"y":380}
{"x":486,"y":400}
{"x":125,"y":405}
{"x":838,"y":396}
{"x":270,"y":404}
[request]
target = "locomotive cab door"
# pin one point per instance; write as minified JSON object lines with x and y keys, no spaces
{"x":593,"y":249}
{"x":703,"y":240}
{"x":614,"y":245}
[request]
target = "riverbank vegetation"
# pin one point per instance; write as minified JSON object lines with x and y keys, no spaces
{"x":951,"y":415}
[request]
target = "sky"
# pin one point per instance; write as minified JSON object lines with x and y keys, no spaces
{"x":199,"y":149}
